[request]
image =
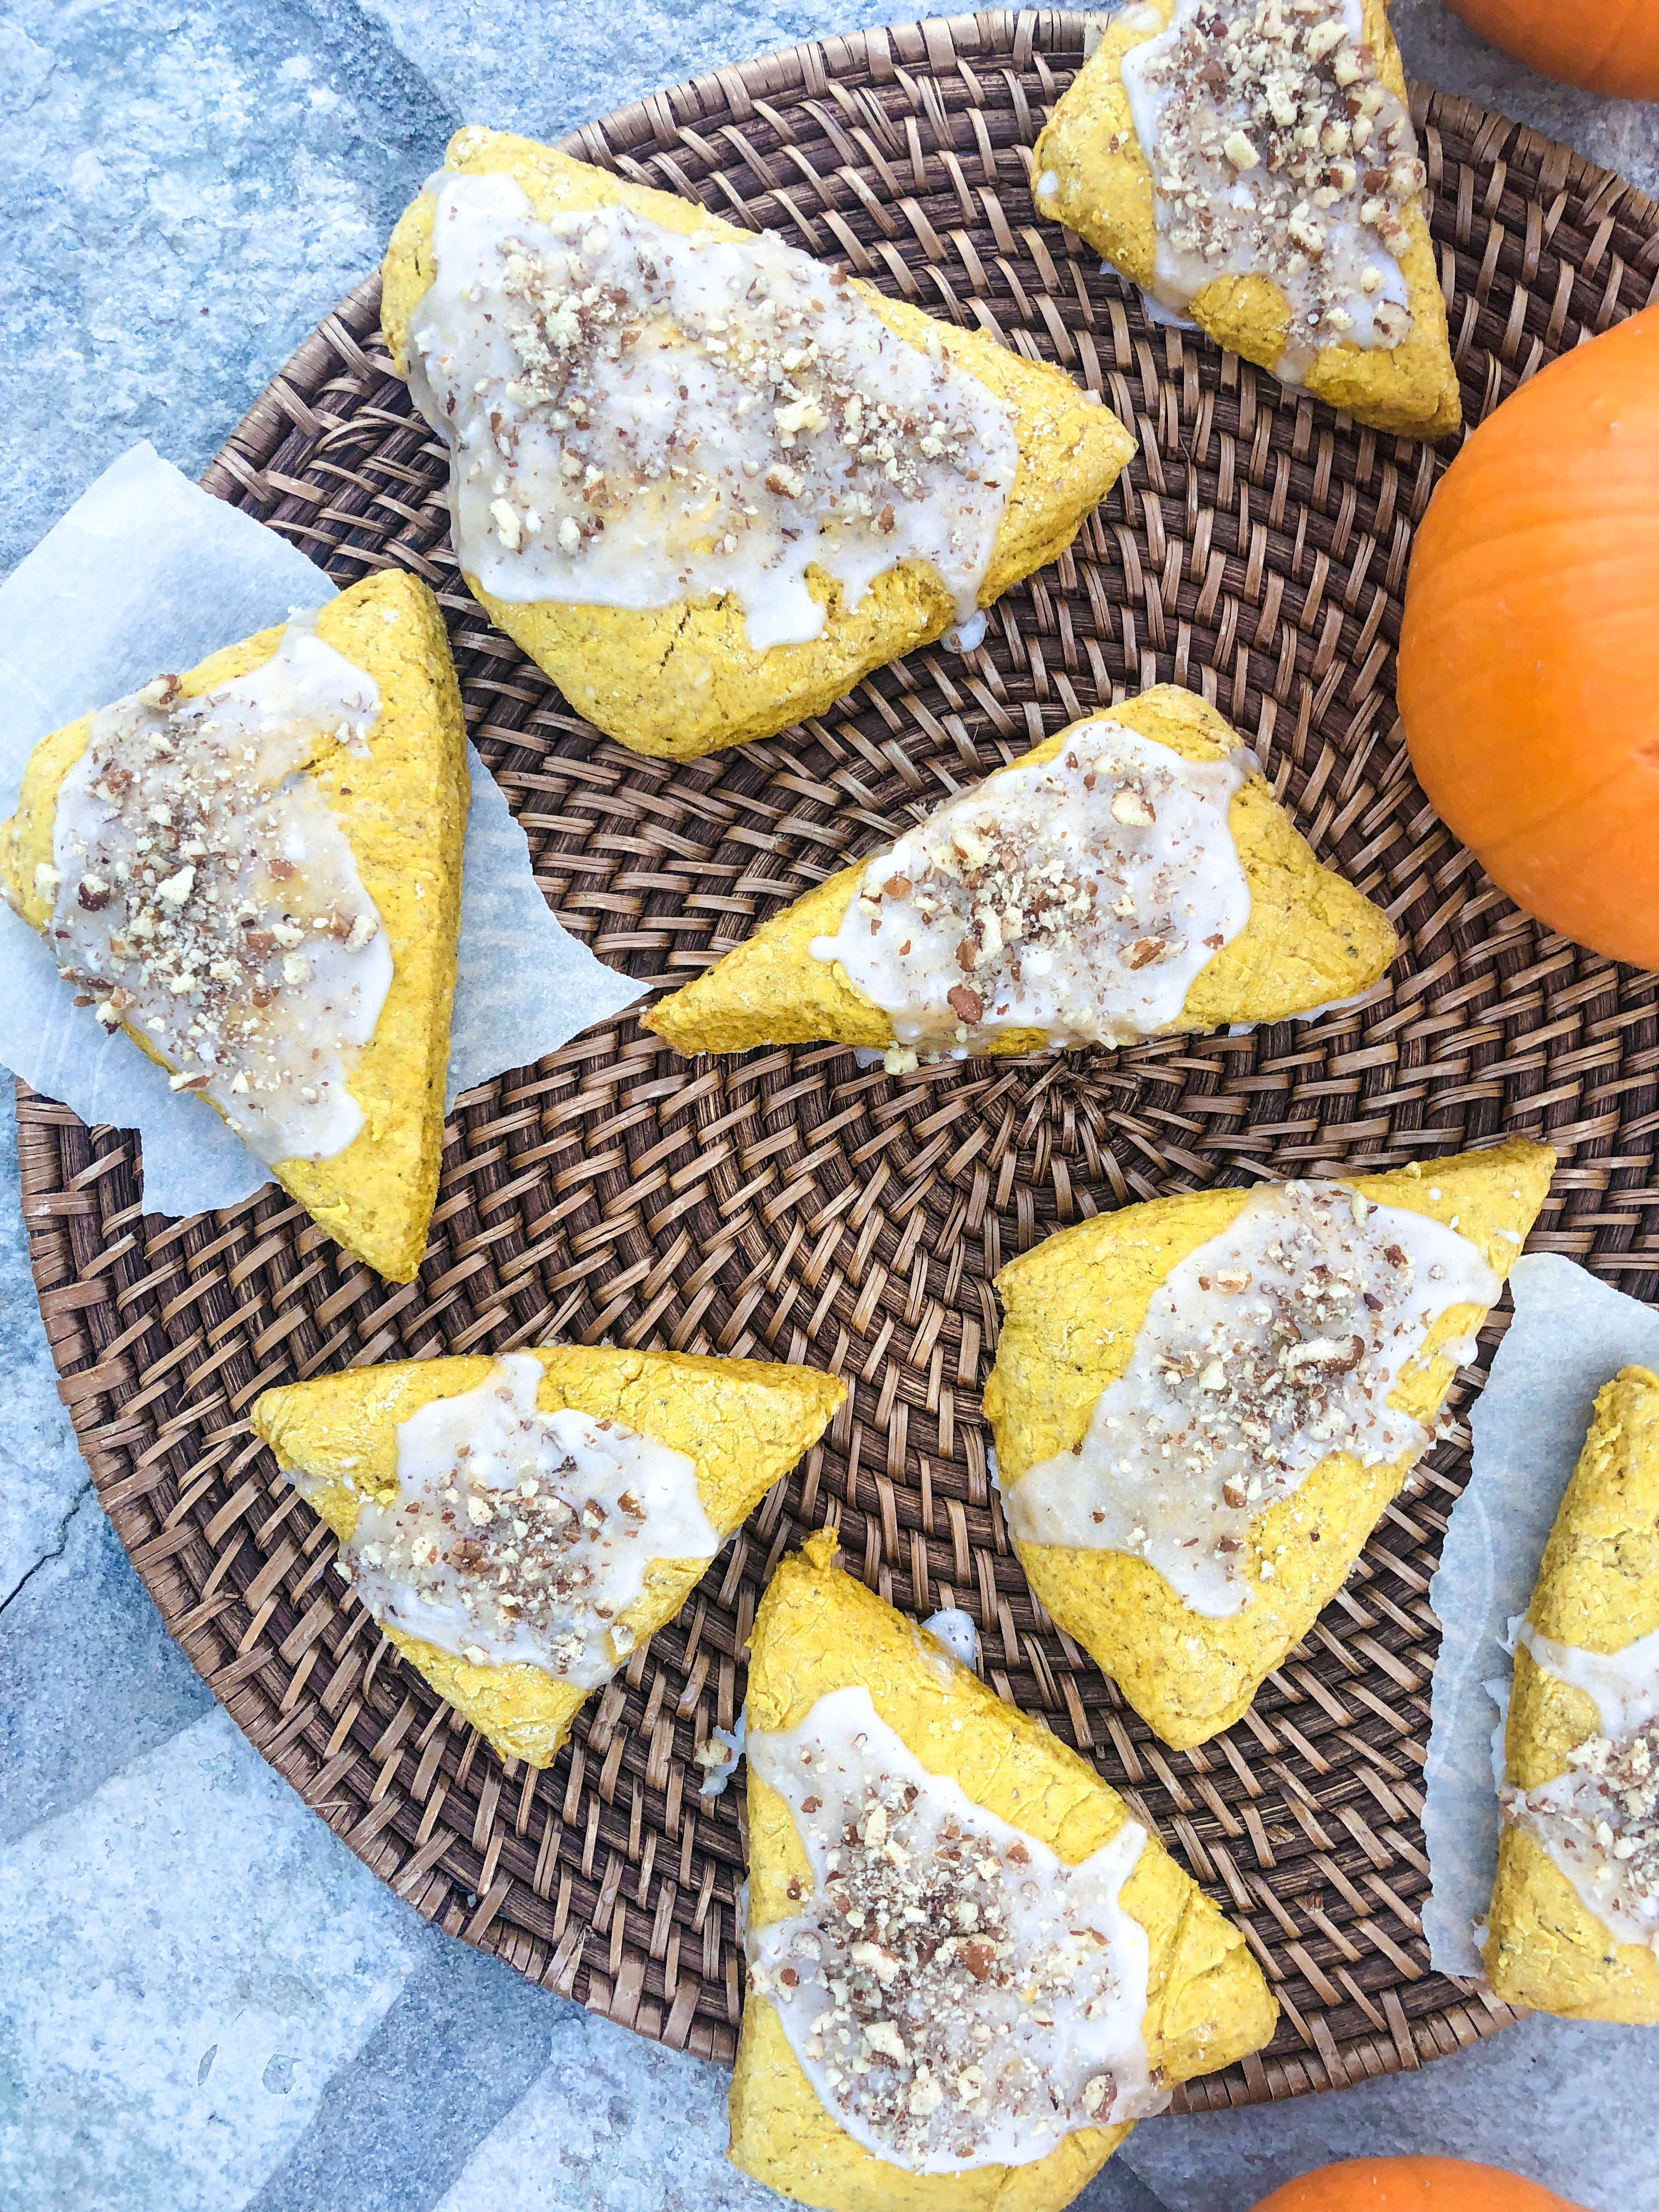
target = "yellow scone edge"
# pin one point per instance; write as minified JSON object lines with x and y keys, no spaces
{"x":1598,"y":1589}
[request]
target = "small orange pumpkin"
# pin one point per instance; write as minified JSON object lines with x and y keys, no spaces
{"x":1528,"y":666}
{"x":1412,"y":2184}
{"x":1606,"y":45}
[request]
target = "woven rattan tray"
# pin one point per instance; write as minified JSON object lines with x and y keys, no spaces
{"x":792,"y":1204}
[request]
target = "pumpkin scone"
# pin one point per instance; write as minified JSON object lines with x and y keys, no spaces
{"x":1202,"y":1405}
{"x":705,"y":481}
{"x":1251,"y":165}
{"x":1131,"y":876}
{"x":254,"y":869}
{"x":517,"y":1526}
{"x":1574,"y":1924}
{"x":970,"y":1971}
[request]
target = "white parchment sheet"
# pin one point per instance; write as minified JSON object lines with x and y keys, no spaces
{"x":146,"y":571}
{"x":1570,"y":1334}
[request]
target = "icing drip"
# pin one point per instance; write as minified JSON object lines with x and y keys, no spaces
{"x":955,"y":1630}
{"x":1624,"y":1686}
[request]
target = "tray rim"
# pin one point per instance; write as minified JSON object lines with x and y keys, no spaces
{"x":803,"y":69}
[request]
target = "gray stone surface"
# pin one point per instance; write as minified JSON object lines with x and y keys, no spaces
{"x":188,"y":1966}
{"x":91,"y":1679}
{"x":204,"y":2000}
{"x":610,"y":2126}
{"x":189,"y":188}
{"x":464,"y":2040}
{"x":1619,"y":134}
{"x":542,"y":71}
{"x":1572,"y":2104}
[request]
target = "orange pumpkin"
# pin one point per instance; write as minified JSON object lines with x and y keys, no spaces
{"x":1528,"y":667}
{"x":1412,"y":2184}
{"x":1606,"y":45}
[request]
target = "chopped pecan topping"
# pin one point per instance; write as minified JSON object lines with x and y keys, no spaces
{"x":1278,"y":149}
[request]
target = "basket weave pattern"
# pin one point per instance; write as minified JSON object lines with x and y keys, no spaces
{"x":791,"y":1204}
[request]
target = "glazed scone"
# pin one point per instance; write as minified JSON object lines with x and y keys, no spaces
{"x":518,"y":1526}
{"x":706,"y":482}
{"x":1287,"y":1350}
{"x":255,"y":870}
{"x":885,"y":1776}
{"x":1282,"y":209}
{"x":1186,"y":898}
{"x":1574,"y":1924}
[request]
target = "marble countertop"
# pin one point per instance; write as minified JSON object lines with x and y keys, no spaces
{"x":205,"y":2001}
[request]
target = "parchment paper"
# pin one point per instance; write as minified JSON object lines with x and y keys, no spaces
{"x":1570,"y":1334}
{"x":146,"y":573}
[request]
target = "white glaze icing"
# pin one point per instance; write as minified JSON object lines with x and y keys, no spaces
{"x":719,"y":1757}
{"x":1599,"y":1820}
{"x":1079,"y":897}
{"x":990,"y":1999}
{"x":1224,"y":155}
{"x":1624,"y":1686}
{"x":1161,"y":316}
{"x":205,"y":893}
{"x":520,"y":1537}
{"x":954,"y":1628}
{"x":1277,"y":1342}
{"x":1600,"y":1817}
{"x":638,"y":417}
{"x":963,"y":637}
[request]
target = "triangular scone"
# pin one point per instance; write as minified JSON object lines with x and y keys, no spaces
{"x":1571,"y":1750}
{"x":682,"y":679}
{"x":1089,"y":1312}
{"x":739,"y":1422}
{"x":1090,"y":172}
{"x":1307,"y":937}
{"x":819,"y":1632}
{"x":398,"y":791}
